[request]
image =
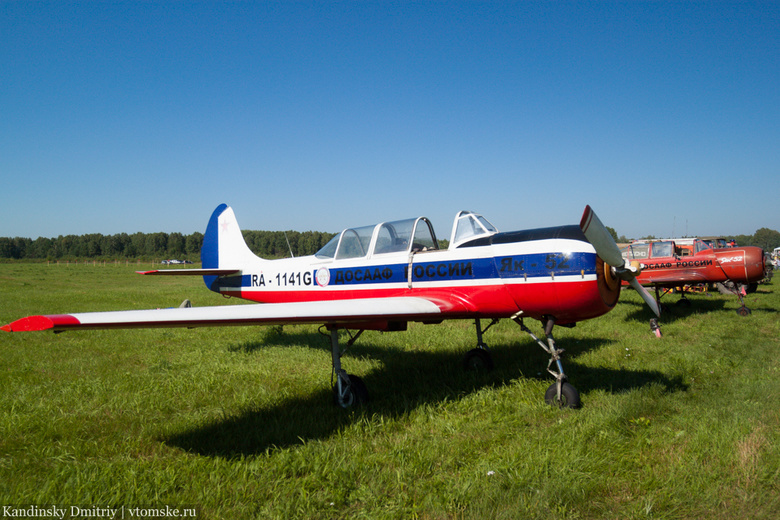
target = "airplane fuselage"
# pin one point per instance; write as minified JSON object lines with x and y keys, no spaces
{"x":544,"y":272}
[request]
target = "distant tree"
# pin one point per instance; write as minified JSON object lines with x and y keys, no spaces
{"x":6,"y":248}
{"x":175,"y":245}
{"x":41,"y":248}
{"x":156,"y":244}
{"x":193,"y":243}
{"x":137,"y":244}
{"x":767,"y":238}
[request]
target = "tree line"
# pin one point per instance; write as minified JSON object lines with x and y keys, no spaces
{"x":267,"y":244}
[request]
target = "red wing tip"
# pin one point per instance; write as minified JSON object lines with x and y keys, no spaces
{"x":35,"y":323}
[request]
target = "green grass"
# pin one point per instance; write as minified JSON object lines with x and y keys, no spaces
{"x":239,"y":422}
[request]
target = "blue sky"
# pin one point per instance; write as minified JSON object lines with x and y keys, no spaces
{"x":144,"y":116}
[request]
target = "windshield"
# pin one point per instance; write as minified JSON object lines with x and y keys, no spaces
{"x":636,"y":251}
{"x":701,"y":245}
{"x":329,"y":249}
{"x":350,"y":243}
{"x":662,"y":249}
{"x":469,"y":225}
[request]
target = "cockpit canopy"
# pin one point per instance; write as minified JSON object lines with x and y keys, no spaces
{"x":664,"y":248}
{"x":469,"y":225}
{"x":415,"y":234}
{"x":410,"y":235}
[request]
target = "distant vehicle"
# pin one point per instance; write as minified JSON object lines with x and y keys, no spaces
{"x":175,"y":262}
{"x":674,"y":263}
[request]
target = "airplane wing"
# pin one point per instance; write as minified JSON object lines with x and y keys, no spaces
{"x":673,"y":278}
{"x":323,"y":312}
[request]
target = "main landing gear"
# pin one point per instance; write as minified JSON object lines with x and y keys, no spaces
{"x":479,"y":358}
{"x":560,"y":393}
{"x":729,"y":287}
{"x":348,"y":389}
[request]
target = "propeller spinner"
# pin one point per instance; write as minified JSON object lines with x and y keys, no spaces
{"x":607,"y":249}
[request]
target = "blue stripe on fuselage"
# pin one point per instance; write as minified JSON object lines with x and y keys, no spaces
{"x":538,"y":265}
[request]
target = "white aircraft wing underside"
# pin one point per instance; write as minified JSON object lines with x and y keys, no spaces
{"x":323,"y":312}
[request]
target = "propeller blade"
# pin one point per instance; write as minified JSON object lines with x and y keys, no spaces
{"x":602,"y":241}
{"x":607,"y":249}
{"x":646,"y":296}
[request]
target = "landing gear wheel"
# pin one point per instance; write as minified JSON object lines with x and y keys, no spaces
{"x":570,"y":397}
{"x":744,"y":311}
{"x":478,"y":360}
{"x":356,"y":394}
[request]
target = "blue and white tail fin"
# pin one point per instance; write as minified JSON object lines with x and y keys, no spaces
{"x":223,"y":245}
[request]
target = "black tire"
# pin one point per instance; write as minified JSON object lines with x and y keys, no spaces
{"x":357,"y":393}
{"x":570,"y":397}
{"x":478,"y":360}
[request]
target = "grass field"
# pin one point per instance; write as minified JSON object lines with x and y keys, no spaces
{"x":239,"y":422}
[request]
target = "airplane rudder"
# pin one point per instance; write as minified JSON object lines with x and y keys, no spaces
{"x":209,"y":252}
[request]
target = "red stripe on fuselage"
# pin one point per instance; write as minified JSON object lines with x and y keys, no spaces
{"x":568,"y":301}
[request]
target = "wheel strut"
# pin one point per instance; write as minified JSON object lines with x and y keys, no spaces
{"x":479,"y":358}
{"x":348,"y":390}
{"x":560,"y":393}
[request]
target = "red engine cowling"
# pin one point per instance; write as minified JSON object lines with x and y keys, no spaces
{"x":742,"y":264}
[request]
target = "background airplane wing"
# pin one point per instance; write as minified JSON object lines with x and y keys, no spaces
{"x":322,"y":312}
{"x":673,"y":278}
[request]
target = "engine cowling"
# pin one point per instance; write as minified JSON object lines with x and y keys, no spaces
{"x":742,"y":264}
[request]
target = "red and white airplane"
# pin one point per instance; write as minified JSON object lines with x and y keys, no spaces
{"x":382,"y":277}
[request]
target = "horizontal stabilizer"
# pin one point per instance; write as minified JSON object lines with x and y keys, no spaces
{"x":191,"y":272}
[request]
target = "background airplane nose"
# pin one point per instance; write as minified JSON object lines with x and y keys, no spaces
{"x":742,"y":264}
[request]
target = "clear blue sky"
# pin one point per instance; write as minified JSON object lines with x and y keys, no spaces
{"x":144,"y":116}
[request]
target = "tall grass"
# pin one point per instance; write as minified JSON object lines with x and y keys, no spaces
{"x":239,"y":422}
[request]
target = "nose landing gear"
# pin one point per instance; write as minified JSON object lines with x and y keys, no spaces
{"x":560,"y":393}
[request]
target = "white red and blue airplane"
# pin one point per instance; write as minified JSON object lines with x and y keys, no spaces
{"x":382,"y":277}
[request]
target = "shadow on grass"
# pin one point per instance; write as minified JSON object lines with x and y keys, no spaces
{"x":409,"y":379}
{"x":674,"y":308}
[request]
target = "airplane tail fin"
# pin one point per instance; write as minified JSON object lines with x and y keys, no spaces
{"x":223,"y":244}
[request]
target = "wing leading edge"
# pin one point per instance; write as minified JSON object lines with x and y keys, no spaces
{"x":323,"y":312}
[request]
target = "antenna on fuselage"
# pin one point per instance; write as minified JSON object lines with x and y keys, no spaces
{"x":288,"y":244}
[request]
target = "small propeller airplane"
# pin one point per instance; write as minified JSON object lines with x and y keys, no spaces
{"x":382,"y":277}
{"x":667,"y":264}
